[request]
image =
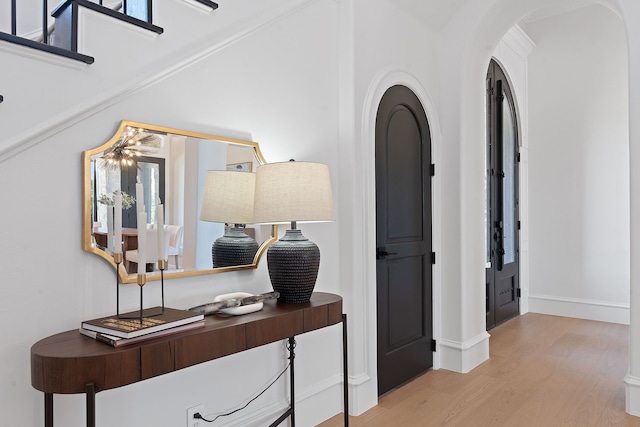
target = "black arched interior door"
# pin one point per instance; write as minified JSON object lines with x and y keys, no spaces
{"x":503,"y":241}
{"x":403,"y":238}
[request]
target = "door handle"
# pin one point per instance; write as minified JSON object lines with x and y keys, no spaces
{"x":499,"y":252}
{"x":500,"y":260}
{"x":382,"y":253}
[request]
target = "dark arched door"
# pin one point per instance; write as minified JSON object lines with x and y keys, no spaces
{"x":503,"y":229}
{"x":403,"y":238}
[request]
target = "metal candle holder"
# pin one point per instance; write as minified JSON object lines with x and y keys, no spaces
{"x":141,"y":280}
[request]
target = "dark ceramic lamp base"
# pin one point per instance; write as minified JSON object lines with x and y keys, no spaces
{"x":293,"y":263}
{"x":234,"y":248}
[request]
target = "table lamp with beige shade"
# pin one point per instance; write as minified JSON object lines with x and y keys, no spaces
{"x":293,"y":192}
{"x":228,"y":198}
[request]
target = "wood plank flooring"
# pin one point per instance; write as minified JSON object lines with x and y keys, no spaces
{"x":543,"y":371}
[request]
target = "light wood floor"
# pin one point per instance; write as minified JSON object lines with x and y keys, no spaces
{"x":542,"y":371}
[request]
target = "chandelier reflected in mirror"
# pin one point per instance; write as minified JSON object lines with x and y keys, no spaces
{"x":134,"y":142}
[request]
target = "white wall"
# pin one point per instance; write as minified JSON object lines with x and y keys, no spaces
{"x":199,"y":235}
{"x":631,"y":14}
{"x":579,"y":166}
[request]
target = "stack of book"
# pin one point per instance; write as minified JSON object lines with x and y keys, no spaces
{"x":128,"y":329}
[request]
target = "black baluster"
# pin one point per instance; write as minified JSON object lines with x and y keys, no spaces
{"x":45,"y":23}
{"x":14,"y":19}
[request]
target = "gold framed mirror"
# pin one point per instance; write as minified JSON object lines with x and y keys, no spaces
{"x":172,"y":165}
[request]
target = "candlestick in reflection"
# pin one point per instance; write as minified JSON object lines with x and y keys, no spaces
{"x":142,"y":241}
{"x":139,"y":196}
{"x":117,"y":223}
{"x":162,"y":249}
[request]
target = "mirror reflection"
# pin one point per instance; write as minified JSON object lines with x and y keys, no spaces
{"x":162,"y":172}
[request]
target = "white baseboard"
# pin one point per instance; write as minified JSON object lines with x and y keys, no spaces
{"x":464,"y":356}
{"x":603,"y":311}
{"x":313,"y":405}
{"x":632,"y":395}
{"x":363,"y":394}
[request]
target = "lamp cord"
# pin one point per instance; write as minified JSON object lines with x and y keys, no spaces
{"x":199,"y":416}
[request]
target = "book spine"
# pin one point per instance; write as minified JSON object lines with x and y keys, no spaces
{"x":99,"y":337}
{"x":102,"y":338}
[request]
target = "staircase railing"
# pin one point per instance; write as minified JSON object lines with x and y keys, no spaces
{"x":44,"y":37}
{"x":47,"y":29}
{"x":136,"y":12}
{"x":67,"y":19}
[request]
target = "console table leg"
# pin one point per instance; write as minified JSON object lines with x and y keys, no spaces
{"x":292,"y":356}
{"x":291,"y":411}
{"x":48,"y":410}
{"x":91,"y":405}
{"x":345,"y":367}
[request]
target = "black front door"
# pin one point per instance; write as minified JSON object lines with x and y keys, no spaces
{"x":503,"y":290}
{"x":403,"y":238}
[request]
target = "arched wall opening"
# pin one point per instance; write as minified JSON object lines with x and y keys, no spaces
{"x":456,"y":114}
{"x":579,"y":166}
{"x":477,"y":46}
{"x":572,"y":86}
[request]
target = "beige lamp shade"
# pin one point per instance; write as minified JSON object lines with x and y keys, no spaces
{"x":228,"y":197}
{"x":293,"y":191}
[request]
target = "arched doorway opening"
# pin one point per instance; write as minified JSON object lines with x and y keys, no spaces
{"x":566,"y":150}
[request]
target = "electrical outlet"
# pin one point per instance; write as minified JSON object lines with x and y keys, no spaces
{"x":195,"y":422}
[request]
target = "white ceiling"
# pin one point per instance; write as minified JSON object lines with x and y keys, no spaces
{"x":438,"y":13}
{"x":557,"y":9}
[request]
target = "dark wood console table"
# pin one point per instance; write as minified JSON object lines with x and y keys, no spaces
{"x":69,"y":362}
